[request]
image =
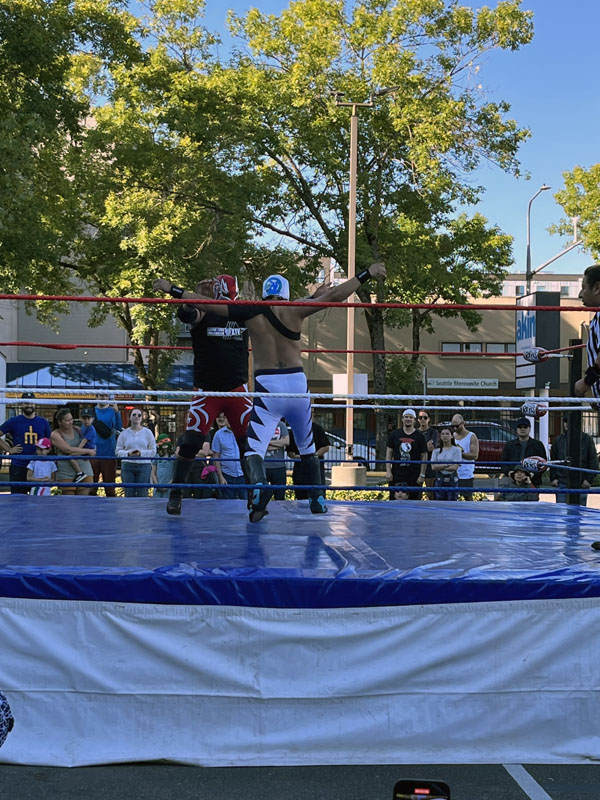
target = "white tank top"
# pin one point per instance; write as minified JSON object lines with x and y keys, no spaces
{"x":466,"y":470}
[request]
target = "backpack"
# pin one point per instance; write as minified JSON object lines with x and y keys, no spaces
{"x":102,"y":429}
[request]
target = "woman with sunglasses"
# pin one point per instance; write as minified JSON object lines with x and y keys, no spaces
{"x":136,"y":446}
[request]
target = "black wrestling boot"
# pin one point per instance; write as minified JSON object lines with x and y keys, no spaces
{"x":258,"y":498}
{"x":312,"y":474}
{"x":183,"y":467}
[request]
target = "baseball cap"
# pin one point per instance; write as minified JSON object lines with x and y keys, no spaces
{"x":162,"y":438}
{"x":409,"y":412}
{"x":523,"y":422}
{"x":27,"y":395}
{"x":43,"y":443}
{"x":87,"y":412}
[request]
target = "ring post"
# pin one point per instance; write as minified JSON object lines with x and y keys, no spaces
{"x":574,"y":427}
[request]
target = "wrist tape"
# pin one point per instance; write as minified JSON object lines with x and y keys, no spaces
{"x":592,"y":375}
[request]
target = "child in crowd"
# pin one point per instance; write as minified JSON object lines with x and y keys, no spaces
{"x":521,"y":479}
{"x":88,"y":439}
{"x":38,"y":470}
{"x":162,"y":471}
{"x":227,"y":454}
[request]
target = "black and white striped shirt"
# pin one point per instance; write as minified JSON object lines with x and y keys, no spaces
{"x":593,"y":348}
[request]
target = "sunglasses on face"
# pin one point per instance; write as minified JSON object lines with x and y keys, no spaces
{"x":135,"y":415}
{"x":423,"y":417}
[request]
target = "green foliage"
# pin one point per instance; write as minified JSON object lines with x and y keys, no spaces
{"x":581,"y":198}
{"x":189,"y":165}
{"x":405,"y":374}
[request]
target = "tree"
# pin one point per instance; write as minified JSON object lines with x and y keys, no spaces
{"x":39,"y":116}
{"x":430,"y":126}
{"x":581,"y":198}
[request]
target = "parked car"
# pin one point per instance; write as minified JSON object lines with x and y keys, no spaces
{"x":363,"y":454}
{"x":492,"y":438}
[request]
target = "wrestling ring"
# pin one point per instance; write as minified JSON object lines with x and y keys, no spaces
{"x":382,"y":632}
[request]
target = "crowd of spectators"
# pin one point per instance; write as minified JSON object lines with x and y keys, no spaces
{"x":419,"y":455}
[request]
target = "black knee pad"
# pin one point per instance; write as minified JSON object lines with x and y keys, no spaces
{"x":192,"y":442}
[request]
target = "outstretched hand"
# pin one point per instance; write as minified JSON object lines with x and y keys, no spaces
{"x":162,"y":285}
{"x":377,"y":270}
{"x":205,"y":287}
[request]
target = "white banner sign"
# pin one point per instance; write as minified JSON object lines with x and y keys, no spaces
{"x":462,"y":383}
{"x":525,"y":340}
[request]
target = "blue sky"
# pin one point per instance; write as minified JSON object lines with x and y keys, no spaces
{"x":553,"y":88}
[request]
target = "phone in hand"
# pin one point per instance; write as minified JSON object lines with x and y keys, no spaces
{"x":421,"y":790}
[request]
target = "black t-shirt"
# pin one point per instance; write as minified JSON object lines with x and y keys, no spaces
{"x":406,"y":447}
{"x":198,"y":437}
{"x":220,"y":353}
{"x":320,"y":438}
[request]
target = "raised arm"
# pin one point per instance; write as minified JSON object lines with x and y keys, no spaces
{"x":191,"y":314}
{"x":339,"y":293}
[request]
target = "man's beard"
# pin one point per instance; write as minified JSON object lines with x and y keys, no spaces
{"x":27,"y":410}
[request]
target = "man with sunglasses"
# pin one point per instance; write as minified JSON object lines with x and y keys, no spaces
{"x":469,"y":444}
{"x":431,"y":440}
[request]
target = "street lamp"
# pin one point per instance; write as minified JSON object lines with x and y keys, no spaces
{"x":352,"y":248}
{"x":351,"y":265}
{"x":542,"y":188}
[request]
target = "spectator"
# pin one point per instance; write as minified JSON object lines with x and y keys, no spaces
{"x":6,"y":719}
{"x":299,"y":474}
{"x":588,"y":460}
{"x":406,"y":445}
{"x":521,"y":479}
{"x":275,"y":467}
{"x":431,"y":437}
{"x":24,"y":431}
{"x":136,"y":446}
{"x":194,"y":476}
{"x":469,"y":444}
{"x":149,"y":420}
{"x":41,"y":470}
{"x":522,"y":447}
{"x":108,"y":425}
{"x":229,"y":468}
{"x":67,"y":439}
{"x":88,"y":439}
{"x":399,"y":494}
{"x":445,"y":467}
{"x":163,"y":469}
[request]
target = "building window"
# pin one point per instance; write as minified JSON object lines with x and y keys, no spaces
{"x":519,"y":291}
{"x":451,"y":347}
{"x":455,"y":348}
{"x":500,"y":347}
{"x":564,"y":291}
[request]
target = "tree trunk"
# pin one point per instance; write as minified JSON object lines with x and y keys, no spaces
{"x":374,"y":319}
{"x":417,"y":324}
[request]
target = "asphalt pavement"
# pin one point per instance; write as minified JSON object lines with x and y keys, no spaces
{"x":159,"y":781}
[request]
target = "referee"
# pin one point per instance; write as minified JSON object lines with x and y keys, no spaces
{"x":590,"y":297}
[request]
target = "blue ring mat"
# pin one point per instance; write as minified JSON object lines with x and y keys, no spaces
{"x":360,"y":554}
